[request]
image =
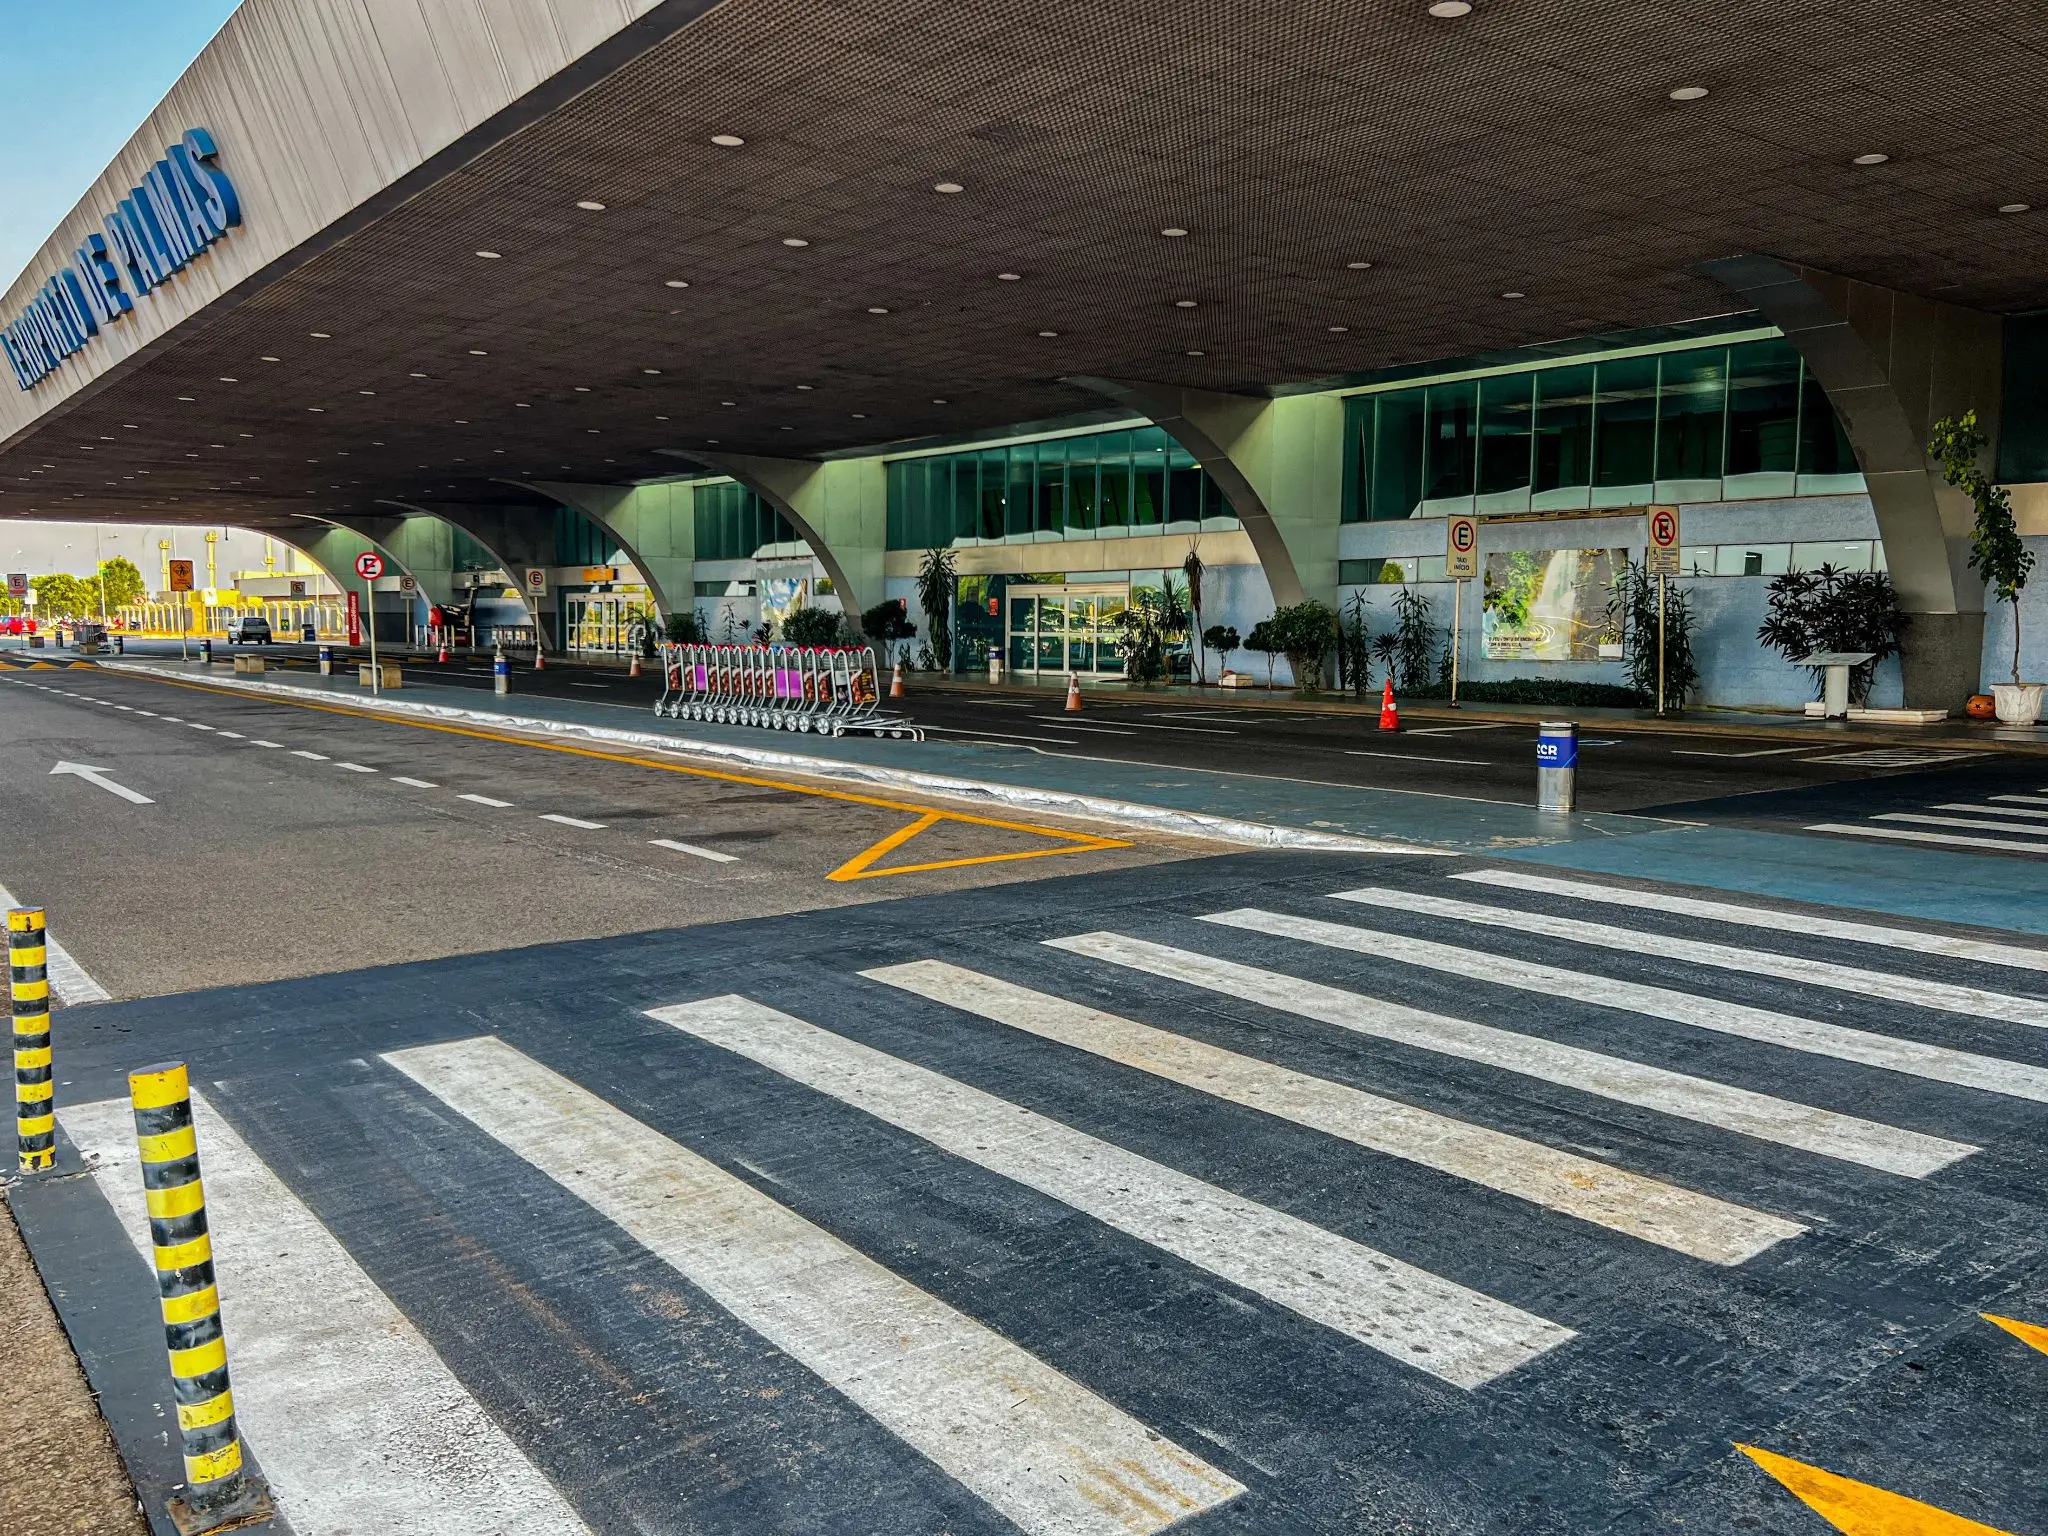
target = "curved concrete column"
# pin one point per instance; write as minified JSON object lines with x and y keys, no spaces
{"x":418,"y":546}
{"x":839,"y":507}
{"x":1267,"y":458}
{"x":1893,"y":364}
{"x":517,"y":537}
{"x":333,"y":543}
{"x":654,"y":525}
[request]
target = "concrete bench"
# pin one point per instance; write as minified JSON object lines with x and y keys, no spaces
{"x":249,"y":666}
{"x":393,"y":677}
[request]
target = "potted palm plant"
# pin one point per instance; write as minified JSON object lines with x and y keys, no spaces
{"x":1997,"y":552}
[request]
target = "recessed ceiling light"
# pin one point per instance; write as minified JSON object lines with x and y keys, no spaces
{"x":728,"y":402}
{"x":807,"y":386}
{"x":795,"y":243}
{"x":876,"y":309}
{"x":521,"y":405}
{"x":938,"y":402}
{"x":1514,"y":294}
{"x":1870,"y":159}
{"x":317,"y":410}
{"x":590,"y":207}
{"x":655,"y":371}
{"x":416,"y":375}
{"x":1173,"y":234}
{"x":491,"y":255}
{"x":1198,"y":354}
{"x":187,"y":399}
{"x":1048,"y":333}
{"x":269,"y":359}
{"x":320,"y":335}
{"x":1011,"y":277}
{"x":1451,"y":10}
{"x":1359,"y":266}
{"x":227,"y":379}
{"x":2015,"y":207}
{"x":1689,"y":93}
{"x":661,"y":418}
{"x":860,"y":415}
{"x":478,"y":352}
{"x":462,"y":421}
{"x":727,"y":140}
{"x":1183,"y":303}
{"x":789,"y":429}
{"x":582,"y":389}
{"x":675,"y":282}
{"x":366,"y":392}
{"x":947,"y":186}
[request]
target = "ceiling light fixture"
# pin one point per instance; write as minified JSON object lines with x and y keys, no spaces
{"x":582,"y":389}
{"x":416,"y":375}
{"x":1359,"y":266}
{"x":727,"y":140}
{"x":228,"y":379}
{"x":1048,"y":334}
{"x":653,"y":371}
{"x":2015,"y":207}
{"x":478,"y":352}
{"x":1338,"y":330}
{"x":675,"y":282}
{"x":1689,"y":93}
{"x":1514,"y":293}
{"x":807,"y":387}
{"x":1011,"y":277}
{"x":795,"y":244}
{"x":1198,"y":354}
{"x":1183,"y":303}
{"x":938,"y":402}
{"x":317,"y":410}
{"x":366,"y":392}
{"x":269,"y":359}
{"x":1451,"y":10}
{"x":728,"y":402}
{"x":876,"y":309}
{"x":860,"y":415}
{"x":1173,"y":234}
{"x":491,"y":255}
{"x":1870,"y":159}
{"x":590,"y":207}
{"x":521,"y":405}
{"x":187,"y":399}
{"x":948,"y":187}
{"x":321,"y":335}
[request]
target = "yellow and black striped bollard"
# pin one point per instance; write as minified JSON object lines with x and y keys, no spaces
{"x":217,"y":1489}
{"x":35,"y":1119}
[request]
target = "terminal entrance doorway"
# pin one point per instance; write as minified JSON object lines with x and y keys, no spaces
{"x":1056,"y":630}
{"x":600,"y":622}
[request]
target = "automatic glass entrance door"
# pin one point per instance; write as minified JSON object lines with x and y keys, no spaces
{"x":597,"y":623}
{"x":1056,"y":630}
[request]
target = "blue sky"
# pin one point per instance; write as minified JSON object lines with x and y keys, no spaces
{"x":77,"y":77}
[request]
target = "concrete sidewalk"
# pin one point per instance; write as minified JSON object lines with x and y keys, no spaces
{"x":1251,"y":809}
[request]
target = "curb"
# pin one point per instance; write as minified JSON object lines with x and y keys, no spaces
{"x":1124,"y":813}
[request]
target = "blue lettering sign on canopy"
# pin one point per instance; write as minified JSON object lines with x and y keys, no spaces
{"x":185,"y":203}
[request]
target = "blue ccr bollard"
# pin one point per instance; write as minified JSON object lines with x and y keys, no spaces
{"x":1557,"y":765}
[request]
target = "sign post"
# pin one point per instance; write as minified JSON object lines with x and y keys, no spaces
{"x":1661,"y":561}
{"x":369,"y":566}
{"x":1461,"y":564}
{"x":181,"y":581}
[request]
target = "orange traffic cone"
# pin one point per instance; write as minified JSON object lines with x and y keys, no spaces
{"x":634,"y":669}
{"x":896,"y":682}
{"x":540,"y":659}
{"x":1073,"y":694}
{"x":1390,"y":717}
{"x":443,"y":657}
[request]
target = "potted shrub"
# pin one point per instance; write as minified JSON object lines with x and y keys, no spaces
{"x":1305,"y":633}
{"x":1997,"y":552}
{"x":1830,"y":610}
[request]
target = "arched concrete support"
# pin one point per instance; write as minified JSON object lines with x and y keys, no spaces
{"x":517,"y":537}
{"x":839,"y":507}
{"x":1893,"y":364}
{"x":421,"y":547}
{"x":333,"y":543}
{"x":1279,"y":462}
{"x":654,"y":525}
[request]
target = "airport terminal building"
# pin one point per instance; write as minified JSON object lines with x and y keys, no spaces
{"x":630,"y":305}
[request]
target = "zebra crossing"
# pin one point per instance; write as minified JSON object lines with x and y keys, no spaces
{"x":1998,"y":823}
{"x":1225,"y":1216}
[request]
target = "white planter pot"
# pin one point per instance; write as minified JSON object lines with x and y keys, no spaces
{"x":2019,"y":703}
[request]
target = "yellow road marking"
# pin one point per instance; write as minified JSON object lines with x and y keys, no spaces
{"x":2026,"y":1333}
{"x":1859,"y":1509}
{"x":856,"y":868}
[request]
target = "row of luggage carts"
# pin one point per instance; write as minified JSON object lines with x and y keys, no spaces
{"x":830,"y":690}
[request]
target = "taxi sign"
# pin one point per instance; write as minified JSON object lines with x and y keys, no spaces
{"x":369,"y":565}
{"x":537,"y":580}
{"x":181,"y":575}
{"x":1663,"y":554}
{"x":1461,"y":548}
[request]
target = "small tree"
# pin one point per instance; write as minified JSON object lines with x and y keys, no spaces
{"x":122,"y":582}
{"x":1833,"y":610}
{"x":64,"y":596}
{"x":685,"y":629}
{"x":1147,"y":628}
{"x":1997,"y":553}
{"x":1263,"y":642}
{"x":1192,"y":568}
{"x":1306,"y":632}
{"x":1632,"y":608}
{"x":1222,"y":639}
{"x":1415,"y":638}
{"x":1354,"y":647}
{"x":813,"y":626}
{"x":888,"y":625}
{"x":936,"y":579}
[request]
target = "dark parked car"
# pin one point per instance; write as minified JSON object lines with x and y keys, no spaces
{"x":250,"y":628}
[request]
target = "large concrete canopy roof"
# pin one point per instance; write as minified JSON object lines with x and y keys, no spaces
{"x":1531,"y":147}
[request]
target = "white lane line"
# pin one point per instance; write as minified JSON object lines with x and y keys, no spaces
{"x":1941,"y":995}
{"x":1966,"y":823}
{"x":1074,"y":725}
{"x":232,"y":735}
{"x":68,"y":979}
{"x":1680,"y":1219}
{"x":1766,"y":752}
{"x":693,"y":850}
{"x":311,"y":757}
{"x":274,"y":745}
{"x":195,"y":725}
{"x":1996,"y":810}
{"x":573,"y":821}
{"x":1182,"y":730}
{"x":399,"y":778}
{"x":2021,"y":799}
{"x":1945,"y":839}
{"x":1790,"y":1124}
{"x":319,"y":1384}
{"x":1416,"y":757}
{"x":496,"y":805}
{"x":1048,"y":1454}
{"x":1447,"y":730}
{"x":1953,"y":945}
{"x":590,"y":685}
{"x":126,"y":709}
{"x":1454,"y":1333}
{"x":152,"y":714}
{"x":957,"y":730}
{"x":171,"y":719}
{"x":1937,"y":1063}
{"x":354,"y":768}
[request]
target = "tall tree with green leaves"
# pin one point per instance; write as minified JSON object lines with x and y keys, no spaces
{"x":1997,"y":552}
{"x":936,"y":582}
{"x":61,"y":595}
{"x":122,"y":582}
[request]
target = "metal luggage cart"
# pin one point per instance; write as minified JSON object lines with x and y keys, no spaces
{"x":779,"y":687}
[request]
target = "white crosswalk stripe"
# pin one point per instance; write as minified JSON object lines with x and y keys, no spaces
{"x":1044,"y":1451}
{"x":1943,"y":839}
{"x":1994,"y":810}
{"x":1967,"y":823}
{"x":1946,"y":997}
{"x":1772,"y":920}
{"x":1448,"y":1330}
{"x":1758,"y":1115}
{"x":357,"y":1423}
{"x":1676,"y":1218}
{"x":1935,"y":1062}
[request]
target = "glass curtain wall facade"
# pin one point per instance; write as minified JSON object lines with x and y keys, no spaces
{"x":732,"y":522}
{"x":1106,"y":484}
{"x":1713,"y":423}
{"x":579,"y":541}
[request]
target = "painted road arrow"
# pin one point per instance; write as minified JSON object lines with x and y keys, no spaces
{"x":99,"y":776}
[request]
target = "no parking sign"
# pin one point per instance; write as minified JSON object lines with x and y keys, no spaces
{"x":1461,"y":548}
